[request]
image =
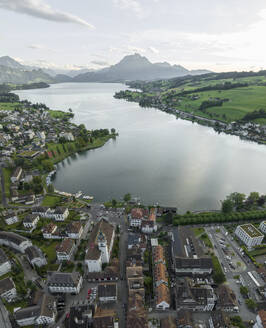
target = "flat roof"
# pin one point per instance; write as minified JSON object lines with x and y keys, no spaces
{"x":251,"y":230}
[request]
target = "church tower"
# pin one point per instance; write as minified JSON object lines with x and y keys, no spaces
{"x":102,"y":244}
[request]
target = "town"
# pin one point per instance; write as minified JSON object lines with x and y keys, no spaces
{"x":67,"y":261}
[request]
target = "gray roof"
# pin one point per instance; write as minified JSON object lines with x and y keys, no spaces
{"x":28,"y":312}
{"x":34,"y":252}
{"x":30,"y":218}
{"x":12,"y":237}
{"x":3,"y":257}
{"x":6,"y":284}
{"x":63,"y":279}
{"x":4,"y":318}
{"x":107,"y":290}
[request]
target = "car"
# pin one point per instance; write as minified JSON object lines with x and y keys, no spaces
{"x":89,"y":291}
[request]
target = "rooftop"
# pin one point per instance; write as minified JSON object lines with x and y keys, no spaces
{"x":107,"y":290}
{"x":251,"y":230}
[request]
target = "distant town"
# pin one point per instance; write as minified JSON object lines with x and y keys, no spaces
{"x":68,"y":261}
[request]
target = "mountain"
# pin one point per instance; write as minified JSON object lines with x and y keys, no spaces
{"x":19,"y":76}
{"x":134,"y":67}
{"x":10,"y":62}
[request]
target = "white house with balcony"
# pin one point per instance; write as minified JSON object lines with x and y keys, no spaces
{"x":249,"y":235}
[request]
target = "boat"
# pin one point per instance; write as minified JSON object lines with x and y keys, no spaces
{"x":88,"y":197}
{"x":78,"y":194}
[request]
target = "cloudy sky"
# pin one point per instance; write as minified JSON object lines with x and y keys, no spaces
{"x":220,"y":35}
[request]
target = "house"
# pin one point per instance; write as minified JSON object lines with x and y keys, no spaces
{"x":260,"y":319}
{"x":160,"y":274}
{"x":226,"y":299}
{"x":134,"y":239}
{"x":262,"y":227}
{"x":149,"y":226}
{"x":193,"y":298}
{"x":42,"y":313}
{"x":4,"y":316}
{"x":168,"y":322}
{"x":136,"y":216}
{"x":219,"y":319}
{"x":100,"y":245}
{"x":11,"y":219}
{"x":35,"y":256}
{"x":193,"y":266}
{"x":8,"y":290}
{"x":41,"y":211}
{"x":137,"y":318}
{"x":104,"y":318}
{"x":61,"y":282}
{"x":162,"y":297}
{"x":59,"y":214}
{"x":49,"y":231}
{"x":67,"y":135}
{"x":80,"y":316}
{"x":135,"y":280}
{"x":107,"y":292}
{"x":14,"y":240}
{"x":184,"y":319}
{"x":5,"y":265}
{"x":16,"y":175}
{"x":249,"y":235}
{"x":65,"y":250}
{"x":74,"y":230}
{"x":30,"y":221}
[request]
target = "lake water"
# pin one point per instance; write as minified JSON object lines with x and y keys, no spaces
{"x":156,"y":157}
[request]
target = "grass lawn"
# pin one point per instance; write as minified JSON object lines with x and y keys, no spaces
{"x":258,"y":252}
{"x":58,"y":114}
{"x":7,"y":174}
{"x":51,"y":201}
{"x":9,"y":106}
{"x":198,"y":231}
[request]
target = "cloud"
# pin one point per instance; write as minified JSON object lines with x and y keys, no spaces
{"x":39,"y":9}
{"x":132,"y":5}
{"x":135,"y":49}
{"x":36,"y":46}
{"x":154,"y":50}
{"x":100,"y":62}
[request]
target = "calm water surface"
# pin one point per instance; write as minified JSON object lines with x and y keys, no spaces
{"x":156,"y":157}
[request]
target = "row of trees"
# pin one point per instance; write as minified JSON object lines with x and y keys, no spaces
{"x":239,"y":202}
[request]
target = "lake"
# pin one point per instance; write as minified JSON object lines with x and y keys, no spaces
{"x":156,"y":156}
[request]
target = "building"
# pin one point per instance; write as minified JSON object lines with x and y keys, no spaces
{"x":193,"y":298}
{"x":14,"y":241}
{"x":4,"y":316}
{"x":260,"y":320}
{"x":168,"y":322}
{"x":149,"y":226}
{"x":134,"y":239}
{"x":8,"y":290}
{"x":74,"y":230}
{"x":249,"y":235}
{"x":35,"y":256}
{"x":11,"y":219}
{"x":136,"y":216}
{"x":5,"y":265}
{"x":100,"y":245}
{"x":104,"y":318}
{"x":30,"y":221}
{"x":136,"y":315}
{"x":226,"y":299}
{"x":67,"y":135}
{"x":59,"y":214}
{"x":107,"y":292}
{"x":65,"y":250}
{"x":41,"y":211}
{"x":16,"y":175}
{"x":135,"y":280}
{"x":162,"y":297}
{"x":193,"y":266}
{"x":49,"y":231}
{"x":61,"y":282}
{"x":263,"y":227}
{"x":184,"y":319}
{"x":219,"y":319}
{"x":80,"y":316}
{"x":42,"y":313}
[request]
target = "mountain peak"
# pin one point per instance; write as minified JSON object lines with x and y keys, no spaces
{"x":10,"y":62}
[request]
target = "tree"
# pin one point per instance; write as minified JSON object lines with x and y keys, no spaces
{"x":113,"y":131}
{"x":127,"y":197}
{"x":253,"y":198}
{"x":227,"y":206}
{"x":114,"y":202}
{"x":251,"y":304}
{"x":244,"y":290}
{"x":238,"y":199}
{"x":50,"y":188}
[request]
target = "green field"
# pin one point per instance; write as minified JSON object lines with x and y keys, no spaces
{"x":9,"y":106}
{"x":51,"y":201}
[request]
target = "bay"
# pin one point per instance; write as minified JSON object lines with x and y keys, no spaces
{"x":156,"y":156}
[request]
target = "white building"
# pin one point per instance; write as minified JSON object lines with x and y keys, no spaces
{"x":100,"y":245}
{"x":58,"y":214}
{"x":11,"y":219}
{"x":14,"y":240}
{"x":67,"y":135}
{"x":42,"y":313}
{"x":8,"y":290}
{"x":263,"y":227}
{"x":74,"y":230}
{"x":61,"y":282}
{"x":30,"y":222}
{"x":35,"y":256}
{"x":260,"y":319}
{"x":249,"y":235}
{"x":65,"y":250}
{"x":5,"y":265}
